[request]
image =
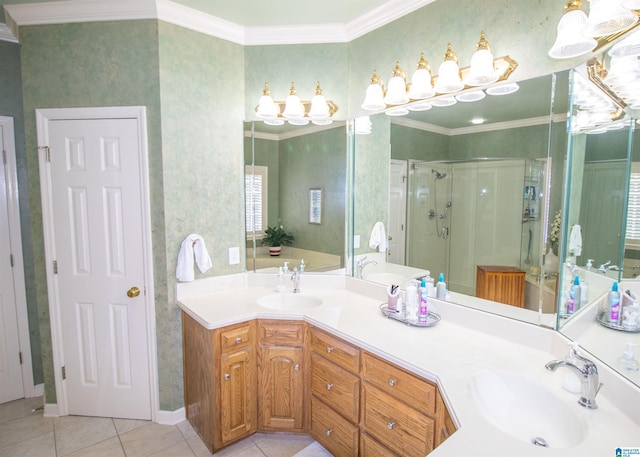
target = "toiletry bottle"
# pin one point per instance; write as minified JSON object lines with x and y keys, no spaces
{"x":571,"y":382}
{"x":584,"y":290}
{"x":573,"y":304}
{"x":280,"y":287}
{"x":431,"y":288}
{"x":614,"y":304}
{"x":422,"y":310}
{"x":441,"y":287}
{"x":627,"y":361}
{"x":589,"y":265}
{"x":411,"y":304}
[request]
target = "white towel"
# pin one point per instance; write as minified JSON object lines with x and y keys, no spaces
{"x":378,"y":238}
{"x":192,"y":246}
{"x":575,"y":241}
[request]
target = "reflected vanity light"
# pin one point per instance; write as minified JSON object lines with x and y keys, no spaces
{"x":363,"y":125}
{"x":472,"y":96}
{"x":578,"y":34}
{"x":477,"y":120}
{"x":503,"y":89}
{"x":318,"y":110}
{"x":484,"y":70}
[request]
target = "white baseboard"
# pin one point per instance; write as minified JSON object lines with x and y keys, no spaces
{"x":51,"y":410}
{"x":171,"y":417}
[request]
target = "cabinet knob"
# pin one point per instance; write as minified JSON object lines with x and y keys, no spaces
{"x":390,"y":425}
{"x":238,"y":340}
{"x":392,"y":382}
{"x":329,"y":386}
{"x":227,"y":376}
{"x":296,"y":367}
{"x":329,"y":349}
{"x":328,"y":432}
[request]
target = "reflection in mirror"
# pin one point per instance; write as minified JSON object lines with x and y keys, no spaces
{"x":599,"y":200}
{"x":467,"y":199}
{"x":285,"y":167}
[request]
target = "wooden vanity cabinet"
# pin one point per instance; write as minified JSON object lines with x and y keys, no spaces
{"x":335,"y":393}
{"x":220,"y":383}
{"x":282,"y":366}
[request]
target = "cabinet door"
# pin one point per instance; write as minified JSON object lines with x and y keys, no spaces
{"x":281,"y":389}
{"x":238,"y":396}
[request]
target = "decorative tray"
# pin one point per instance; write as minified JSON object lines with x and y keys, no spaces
{"x":432,"y":318}
{"x":602,"y":321}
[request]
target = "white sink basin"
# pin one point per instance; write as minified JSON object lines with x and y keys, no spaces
{"x":526,"y":409}
{"x":288,"y":301}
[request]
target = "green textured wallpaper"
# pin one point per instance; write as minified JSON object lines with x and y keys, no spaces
{"x":90,"y":64}
{"x":11,"y":105}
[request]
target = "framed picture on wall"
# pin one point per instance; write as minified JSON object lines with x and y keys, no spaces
{"x":315,"y":205}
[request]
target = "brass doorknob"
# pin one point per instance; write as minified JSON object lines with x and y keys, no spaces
{"x":133,"y":292}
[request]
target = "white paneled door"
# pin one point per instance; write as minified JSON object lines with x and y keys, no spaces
{"x":397,"y":211}
{"x":98,"y":265}
{"x":10,"y":369}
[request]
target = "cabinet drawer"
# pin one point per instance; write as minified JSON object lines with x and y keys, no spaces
{"x":404,"y":386}
{"x":369,"y":447}
{"x":331,"y":430}
{"x":336,"y":387}
{"x":281,"y":333}
{"x":236,"y":337}
{"x":397,"y":426}
{"x":336,"y":350}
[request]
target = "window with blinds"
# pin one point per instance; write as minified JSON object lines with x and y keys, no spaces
{"x":255,"y":194}
{"x":632,"y":237}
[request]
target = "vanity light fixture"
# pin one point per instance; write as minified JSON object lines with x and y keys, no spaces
{"x":318,"y":110}
{"x":630,"y":46}
{"x":503,"y":89}
{"x":400,"y":97}
{"x":472,"y":96}
{"x":607,"y":21}
{"x":363,"y":125}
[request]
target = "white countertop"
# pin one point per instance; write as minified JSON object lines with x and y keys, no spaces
{"x":463,"y":343}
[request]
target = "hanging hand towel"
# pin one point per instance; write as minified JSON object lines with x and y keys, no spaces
{"x":193,"y":245}
{"x":575,"y":241}
{"x":378,"y":238}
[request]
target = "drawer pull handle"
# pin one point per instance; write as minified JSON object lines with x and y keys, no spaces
{"x":238,"y":340}
{"x":329,"y":386}
{"x":392,"y":382}
{"x":227,"y":376}
{"x":328,"y":432}
{"x":390,"y":425}
{"x":329,"y":349}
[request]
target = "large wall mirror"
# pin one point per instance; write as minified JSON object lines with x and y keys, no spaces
{"x":295,"y":177}
{"x":467,"y":186}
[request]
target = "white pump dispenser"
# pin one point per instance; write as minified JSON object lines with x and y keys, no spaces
{"x":627,"y":361}
{"x":571,"y":382}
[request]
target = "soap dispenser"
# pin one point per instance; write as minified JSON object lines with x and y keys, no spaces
{"x":627,"y":361}
{"x":441,"y":287}
{"x":571,"y":382}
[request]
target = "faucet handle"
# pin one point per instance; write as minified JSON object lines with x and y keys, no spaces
{"x":589,"y":365}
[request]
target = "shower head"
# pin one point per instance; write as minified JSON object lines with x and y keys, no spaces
{"x":438,"y":174}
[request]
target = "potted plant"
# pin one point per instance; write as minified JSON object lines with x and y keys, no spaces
{"x":275,"y":237}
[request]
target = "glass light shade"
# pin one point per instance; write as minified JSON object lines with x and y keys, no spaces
{"x":374,"y":98}
{"x":472,"y":96}
{"x":363,"y":125}
{"x":482,"y":71}
{"x":570,"y":41}
{"x":319,"y":107}
{"x":607,"y":17}
{"x":421,"y":86}
{"x":503,"y":89}
{"x":623,"y":70}
{"x":293,"y":108}
{"x":444,"y":101}
{"x":631,"y":4}
{"x":397,"y":88}
{"x":274,"y":121}
{"x":448,"y":78}
{"x":298,"y":121}
{"x":401,"y":111}
{"x":322,"y":121}
{"x":420,"y":106}
{"x":267,"y":109}
{"x":630,"y":46}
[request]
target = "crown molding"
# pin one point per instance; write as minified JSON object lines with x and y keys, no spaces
{"x":411,"y":123}
{"x":69,"y":11}
{"x":6,"y":34}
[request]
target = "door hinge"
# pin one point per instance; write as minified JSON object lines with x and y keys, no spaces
{"x":20,"y":357}
{"x":11,"y":259}
{"x":64,"y":373}
{"x":47,"y":153}
{"x":55,"y":267}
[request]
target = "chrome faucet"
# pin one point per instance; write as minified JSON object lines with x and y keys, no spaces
{"x":363,"y":262}
{"x":295,"y":277}
{"x":588,"y":374}
{"x":603,"y":268}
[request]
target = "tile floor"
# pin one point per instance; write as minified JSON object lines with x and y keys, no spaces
{"x":24,"y":432}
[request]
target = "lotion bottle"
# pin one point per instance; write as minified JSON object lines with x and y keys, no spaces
{"x":613,"y":309}
{"x":573,"y":304}
{"x":431,"y":288}
{"x":441,"y":287}
{"x":411,"y":304}
{"x":422,"y":310}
